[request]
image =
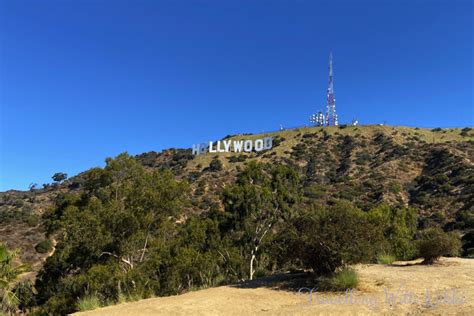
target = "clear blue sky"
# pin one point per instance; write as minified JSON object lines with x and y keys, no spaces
{"x":84,"y":80}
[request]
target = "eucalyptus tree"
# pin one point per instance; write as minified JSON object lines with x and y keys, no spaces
{"x":261,"y":197}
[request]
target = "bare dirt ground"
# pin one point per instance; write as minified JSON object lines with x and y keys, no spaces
{"x":405,"y":288}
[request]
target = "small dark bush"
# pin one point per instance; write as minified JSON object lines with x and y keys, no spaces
{"x":434,"y":243}
{"x":239,"y":158}
{"x":44,"y":246}
{"x":215,"y":165}
{"x":33,"y":220}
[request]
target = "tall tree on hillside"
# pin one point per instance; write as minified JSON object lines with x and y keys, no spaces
{"x":106,"y":231}
{"x":59,"y":177}
{"x":260,"y":198}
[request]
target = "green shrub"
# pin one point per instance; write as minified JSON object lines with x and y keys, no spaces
{"x":434,"y":243}
{"x":385,"y":259}
{"x":88,"y":302}
{"x":215,"y":165}
{"x":344,"y":279}
{"x":44,"y":246}
{"x":325,"y":239}
{"x":239,"y":158}
{"x":470,"y":253}
{"x":33,"y":220}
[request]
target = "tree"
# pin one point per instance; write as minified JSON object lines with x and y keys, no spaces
{"x":434,"y":243}
{"x":107,"y":233}
{"x":398,"y":227}
{"x":325,"y":239}
{"x":59,"y":177}
{"x":261,"y":197}
{"x":8,"y":276}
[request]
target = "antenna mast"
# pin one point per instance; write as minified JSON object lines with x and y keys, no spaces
{"x":331,"y":116}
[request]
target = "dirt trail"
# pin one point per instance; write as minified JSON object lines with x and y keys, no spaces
{"x":446,"y":288}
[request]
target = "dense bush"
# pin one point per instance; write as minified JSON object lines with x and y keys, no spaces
{"x":215,"y":165}
{"x":325,"y":239}
{"x":44,"y":246}
{"x":434,"y":243}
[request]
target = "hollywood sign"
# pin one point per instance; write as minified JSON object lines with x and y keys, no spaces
{"x":236,"y":146}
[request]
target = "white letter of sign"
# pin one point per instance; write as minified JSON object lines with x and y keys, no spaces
{"x":259,"y":145}
{"x":219,"y":149}
{"x":203,"y":148}
{"x":248,"y":146}
{"x":196,"y":149}
{"x":227,"y":145}
{"x":268,"y":143}
{"x":210,"y":148}
{"x":238,"y":146}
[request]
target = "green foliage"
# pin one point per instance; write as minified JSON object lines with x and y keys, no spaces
{"x":385,"y":258}
{"x":44,"y":246}
{"x":434,"y":243}
{"x":33,"y":220}
{"x":87,"y":303}
{"x":398,"y":227}
{"x":325,"y":239}
{"x":215,"y":165}
{"x":239,"y":158}
{"x":25,"y":292}
{"x":342,"y":280}
{"x":470,"y":253}
{"x":121,"y":221}
{"x":435,"y":188}
{"x":9,"y":273}
{"x":263,"y":195}
{"x":59,"y":177}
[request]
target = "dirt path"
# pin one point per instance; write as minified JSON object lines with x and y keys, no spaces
{"x":446,"y":288}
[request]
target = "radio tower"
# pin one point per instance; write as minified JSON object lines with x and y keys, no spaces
{"x":331,"y":116}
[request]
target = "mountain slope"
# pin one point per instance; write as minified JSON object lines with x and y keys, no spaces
{"x":431,"y":170}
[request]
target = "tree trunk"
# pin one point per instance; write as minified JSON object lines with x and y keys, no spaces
{"x":251,"y":265}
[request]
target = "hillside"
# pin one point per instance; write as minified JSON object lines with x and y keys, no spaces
{"x":446,"y":288}
{"x":160,"y":224}
{"x":430,"y":169}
